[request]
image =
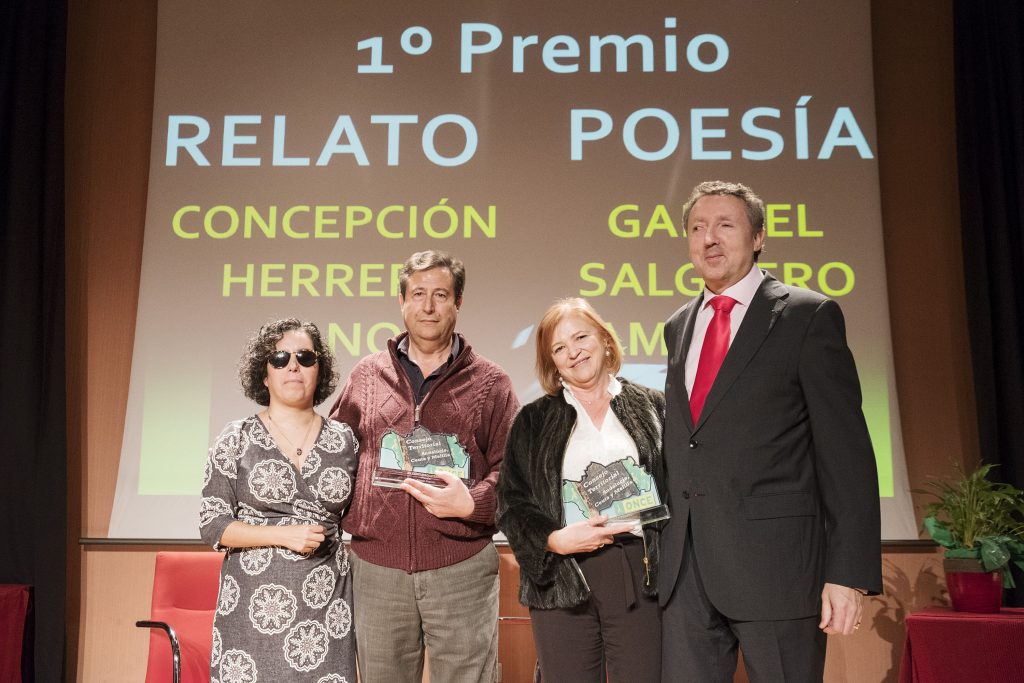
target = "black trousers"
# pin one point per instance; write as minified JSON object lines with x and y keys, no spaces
{"x":617,"y":627}
{"x":699,"y":642}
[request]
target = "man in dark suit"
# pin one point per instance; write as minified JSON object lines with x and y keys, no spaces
{"x":774,"y":536}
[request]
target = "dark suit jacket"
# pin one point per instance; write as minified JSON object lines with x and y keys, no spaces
{"x":777,"y":479}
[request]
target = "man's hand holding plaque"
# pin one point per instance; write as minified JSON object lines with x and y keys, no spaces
{"x":449,"y":501}
{"x":422,"y":456}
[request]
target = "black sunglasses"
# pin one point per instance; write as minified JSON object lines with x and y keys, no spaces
{"x":280,"y":359}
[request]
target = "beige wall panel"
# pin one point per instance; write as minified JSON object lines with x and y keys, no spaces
{"x":111,"y":50}
{"x":111,"y":53}
{"x":912,"y":580}
{"x":921,"y":218}
{"x":515,"y":635}
{"x":117,"y":584}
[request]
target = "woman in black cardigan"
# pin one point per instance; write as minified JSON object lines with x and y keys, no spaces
{"x":590,"y":586}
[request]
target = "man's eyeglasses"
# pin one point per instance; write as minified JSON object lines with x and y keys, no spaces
{"x":280,"y":359}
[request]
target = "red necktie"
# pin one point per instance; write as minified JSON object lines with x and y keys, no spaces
{"x":716,"y":345}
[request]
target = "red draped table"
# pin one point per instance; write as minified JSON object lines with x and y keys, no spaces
{"x":14,"y":603}
{"x":943,"y":645}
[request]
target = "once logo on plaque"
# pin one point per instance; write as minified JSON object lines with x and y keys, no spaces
{"x":420,"y":455}
{"x":622,"y":490}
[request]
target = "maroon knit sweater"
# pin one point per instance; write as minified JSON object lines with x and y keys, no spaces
{"x":474,"y":400}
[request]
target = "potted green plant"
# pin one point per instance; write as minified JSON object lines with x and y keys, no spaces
{"x":981,"y":525}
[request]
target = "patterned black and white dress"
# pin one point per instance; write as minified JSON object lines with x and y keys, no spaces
{"x":281,"y":616}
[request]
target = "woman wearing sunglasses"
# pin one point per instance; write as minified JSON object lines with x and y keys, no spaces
{"x":276,"y":485}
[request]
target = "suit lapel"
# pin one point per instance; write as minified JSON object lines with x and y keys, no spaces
{"x":765,"y":308}
{"x":684,"y":349}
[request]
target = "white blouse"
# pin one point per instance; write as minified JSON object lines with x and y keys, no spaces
{"x":589,"y":444}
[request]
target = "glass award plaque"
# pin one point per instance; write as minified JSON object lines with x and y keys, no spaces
{"x":420,"y":455}
{"x":622,"y":490}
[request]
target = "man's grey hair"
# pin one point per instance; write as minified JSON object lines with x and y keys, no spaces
{"x":426,"y":260}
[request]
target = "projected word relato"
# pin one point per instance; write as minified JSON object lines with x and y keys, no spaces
{"x":242,"y":134}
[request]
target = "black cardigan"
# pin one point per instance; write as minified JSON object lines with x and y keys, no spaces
{"x":530,"y":498}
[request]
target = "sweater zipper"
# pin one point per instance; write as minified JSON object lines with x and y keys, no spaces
{"x":417,"y":411}
{"x":412,"y":501}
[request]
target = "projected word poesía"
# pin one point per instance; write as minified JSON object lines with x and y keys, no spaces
{"x":709,"y":138}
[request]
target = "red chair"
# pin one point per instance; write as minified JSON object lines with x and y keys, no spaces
{"x":16,"y":647}
{"x":185,"y":587}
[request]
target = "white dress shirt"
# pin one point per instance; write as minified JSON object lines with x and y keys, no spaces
{"x":743,"y":292}
{"x":589,"y":444}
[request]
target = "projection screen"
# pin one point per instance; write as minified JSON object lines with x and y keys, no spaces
{"x":301,"y":151}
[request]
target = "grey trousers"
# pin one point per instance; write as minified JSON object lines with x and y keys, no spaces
{"x":452,"y":612}
{"x":699,"y":643}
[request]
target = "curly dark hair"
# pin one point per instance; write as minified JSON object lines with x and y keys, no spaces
{"x":252,"y":367}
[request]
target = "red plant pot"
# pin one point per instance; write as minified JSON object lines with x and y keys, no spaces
{"x":975,"y":591}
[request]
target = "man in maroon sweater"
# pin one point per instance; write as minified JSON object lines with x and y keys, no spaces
{"x":425,"y":568}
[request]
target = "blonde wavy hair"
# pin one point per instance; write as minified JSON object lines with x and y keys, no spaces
{"x":547,"y":373}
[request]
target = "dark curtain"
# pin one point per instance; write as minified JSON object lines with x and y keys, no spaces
{"x":989,"y":54}
{"x":33,"y":479}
